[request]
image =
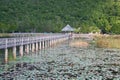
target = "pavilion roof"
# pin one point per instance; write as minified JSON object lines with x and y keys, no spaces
{"x":67,"y":28}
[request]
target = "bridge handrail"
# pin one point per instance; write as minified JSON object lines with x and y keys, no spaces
{"x":10,"y":42}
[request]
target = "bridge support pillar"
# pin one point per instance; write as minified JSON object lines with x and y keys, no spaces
{"x":50,"y":42}
{"x":36,"y":46}
{"x":39,"y":45}
{"x":33,"y":47}
{"x":6,"y":55}
{"x":46,"y":44}
{"x":14,"y":52}
{"x":21,"y":50}
{"x":55,"y":42}
{"x":30,"y":47}
{"x":43,"y":44}
{"x":27,"y":48}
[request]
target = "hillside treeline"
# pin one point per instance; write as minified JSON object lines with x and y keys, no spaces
{"x":52,"y":15}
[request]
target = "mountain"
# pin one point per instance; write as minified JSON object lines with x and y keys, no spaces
{"x":53,"y":15}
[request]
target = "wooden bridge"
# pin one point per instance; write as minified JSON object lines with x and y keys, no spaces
{"x":30,"y":43}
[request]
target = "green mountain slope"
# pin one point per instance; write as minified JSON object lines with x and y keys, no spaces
{"x":53,"y":15}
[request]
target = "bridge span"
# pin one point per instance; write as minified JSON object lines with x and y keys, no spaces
{"x":30,"y":43}
{"x":34,"y":43}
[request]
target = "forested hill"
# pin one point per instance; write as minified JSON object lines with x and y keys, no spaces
{"x":53,"y":15}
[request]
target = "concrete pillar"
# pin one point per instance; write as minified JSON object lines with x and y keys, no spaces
{"x":21,"y":50}
{"x":30,"y":47}
{"x":36,"y":46}
{"x":39,"y":45}
{"x":14,"y":49}
{"x":43,"y":44}
{"x":27,"y":48}
{"x":6,"y":55}
{"x":55,"y":42}
{"x":46,"y":44}
{"x":14,"y":52}
{"x":50,"y":42}
{"x":58,"y":40}
{"x":33,"y":47}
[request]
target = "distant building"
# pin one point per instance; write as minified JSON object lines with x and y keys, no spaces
{"x":67,"y":29}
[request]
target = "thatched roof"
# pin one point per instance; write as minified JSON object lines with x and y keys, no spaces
{"x":67,"y":28}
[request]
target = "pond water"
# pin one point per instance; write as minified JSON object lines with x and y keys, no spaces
{"x":63,"y":62}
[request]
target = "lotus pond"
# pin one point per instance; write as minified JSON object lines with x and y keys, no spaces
{"x":64,"y":62}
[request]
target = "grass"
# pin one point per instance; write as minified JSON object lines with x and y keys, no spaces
{"x":109,"y":41}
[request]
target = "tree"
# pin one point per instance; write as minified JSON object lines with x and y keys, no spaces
{"x":4,"y":27}
{"x":94,"y":29}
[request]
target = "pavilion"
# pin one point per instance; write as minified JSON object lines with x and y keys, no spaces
{"x":67,"y":29}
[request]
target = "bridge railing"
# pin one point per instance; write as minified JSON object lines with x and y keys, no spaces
{"x":10,"y":42}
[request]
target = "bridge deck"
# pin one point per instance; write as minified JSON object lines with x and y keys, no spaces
{"x":17,"y":41}
{"x":11,"y":42}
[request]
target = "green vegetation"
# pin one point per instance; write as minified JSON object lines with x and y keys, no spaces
{"x":53,"y":15}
